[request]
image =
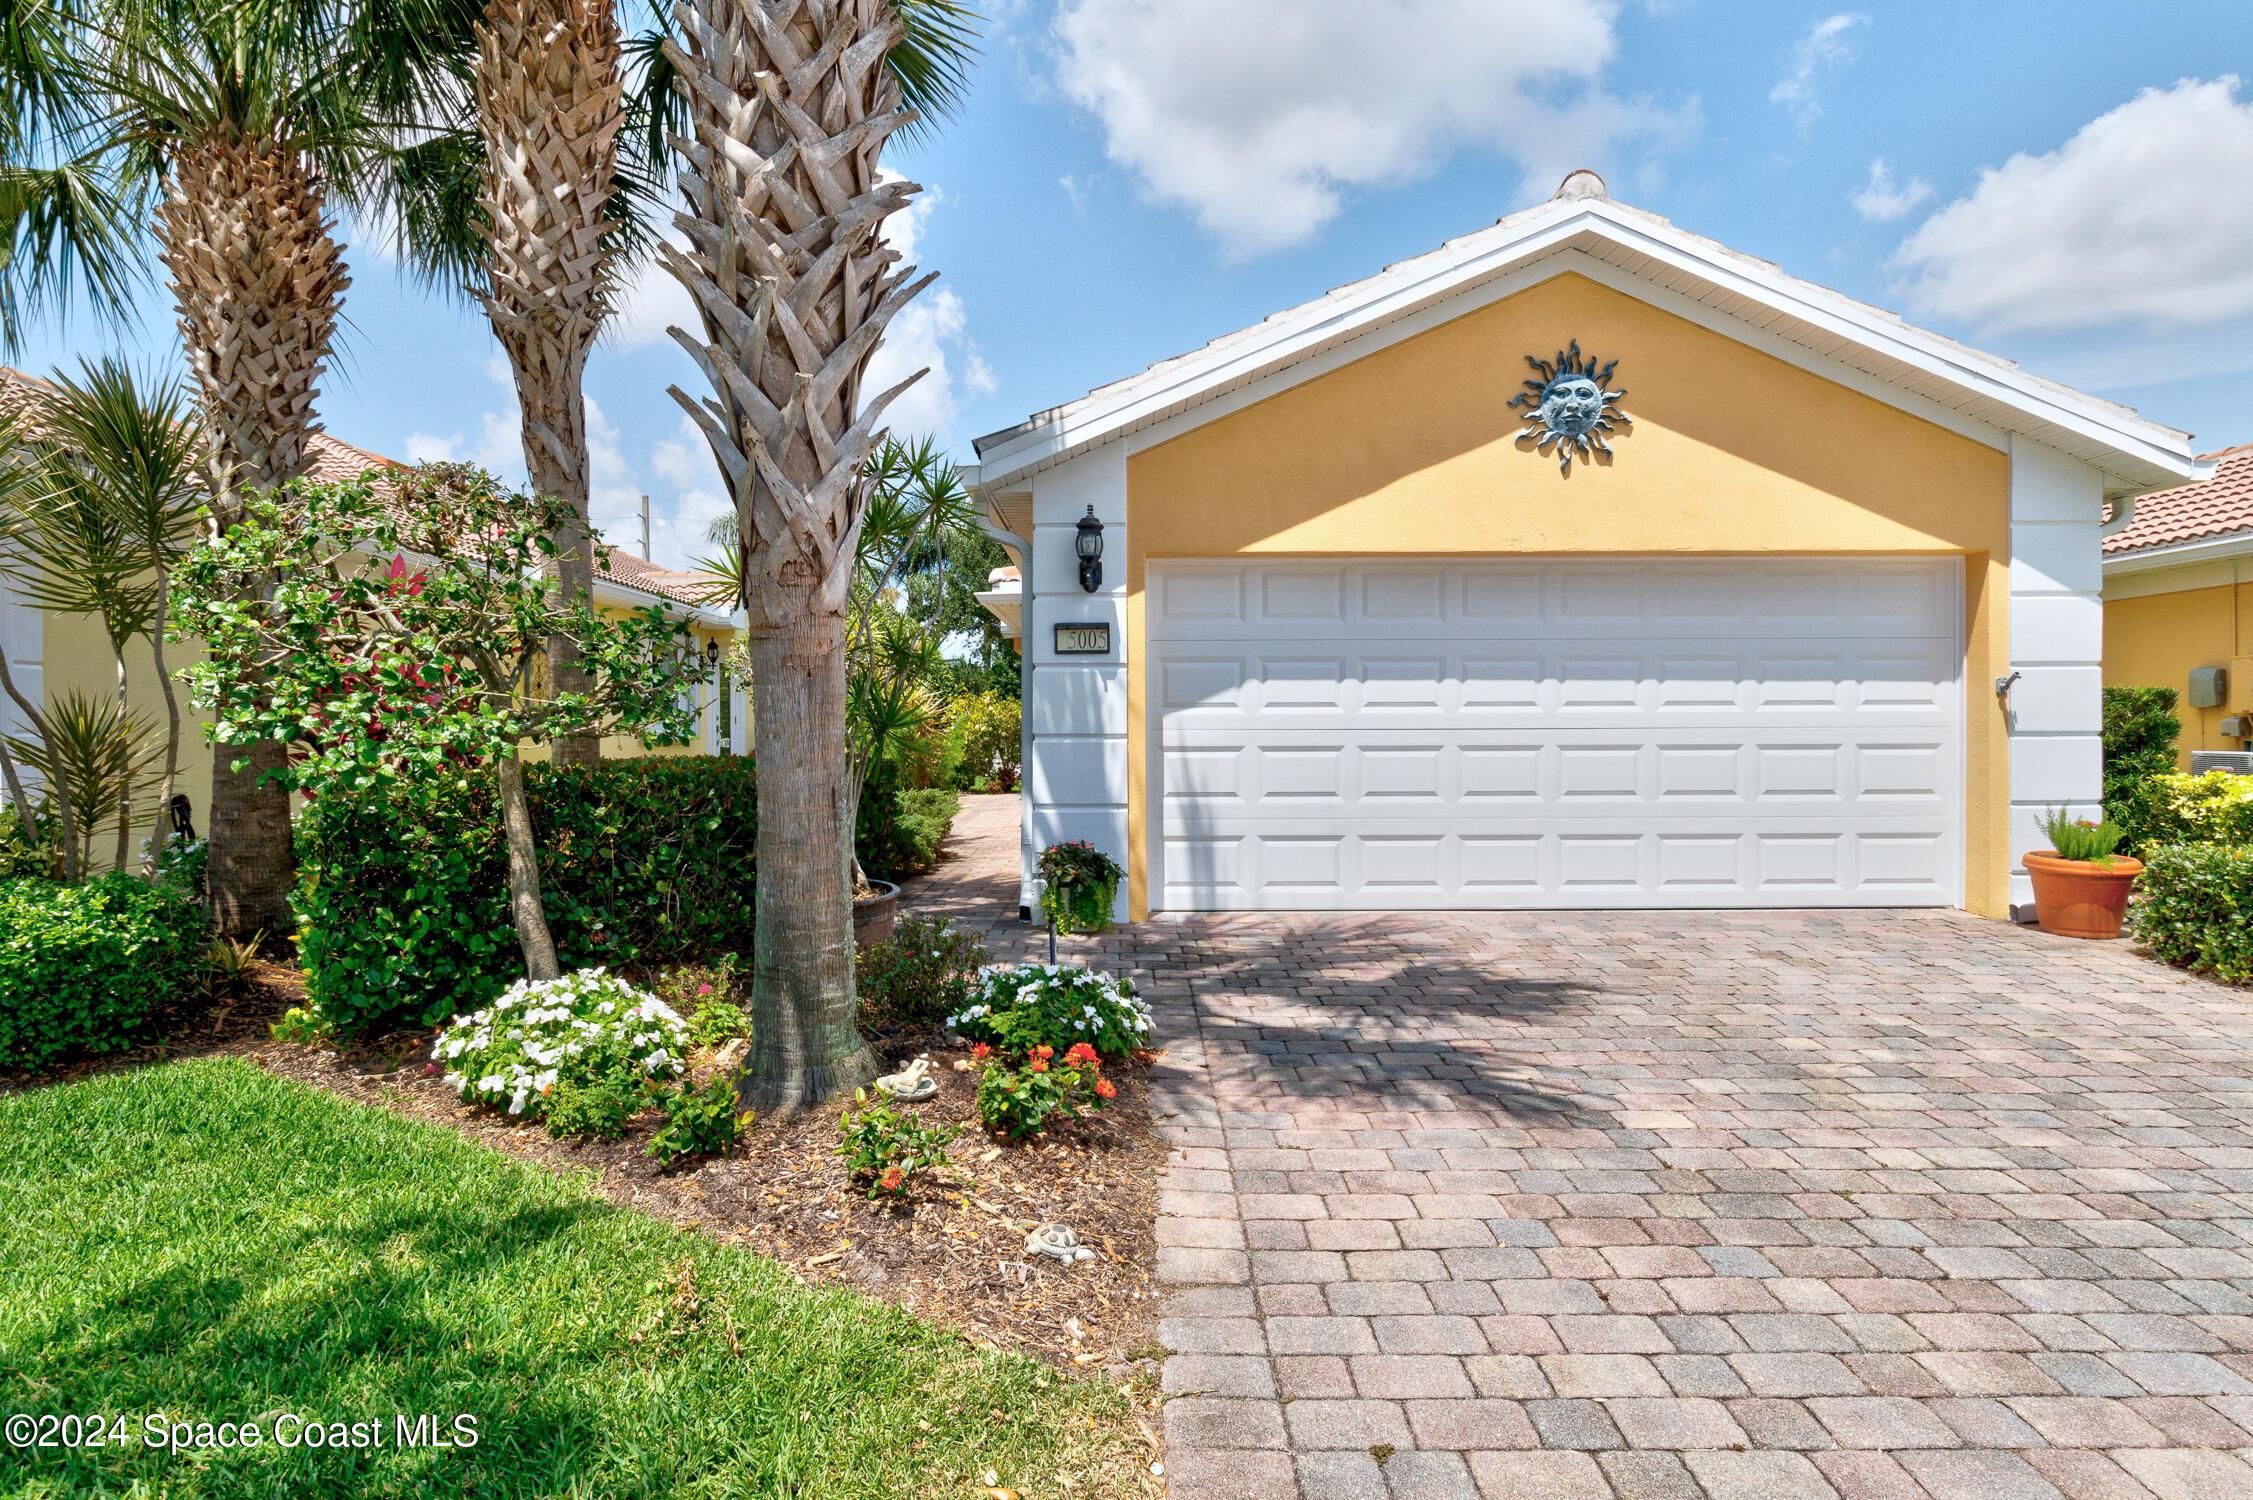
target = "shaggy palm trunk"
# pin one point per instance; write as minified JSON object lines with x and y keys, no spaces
{"x":526,"y":909}
{"x":258,"y":276}
{"x":548,"y":107}
{"x":790,"y":103}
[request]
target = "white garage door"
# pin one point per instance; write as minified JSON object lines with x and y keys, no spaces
{"x":1616,"y":733}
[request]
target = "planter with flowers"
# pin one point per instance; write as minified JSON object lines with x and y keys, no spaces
{"x":1079,"y":882}
{"x":2080,"y":886}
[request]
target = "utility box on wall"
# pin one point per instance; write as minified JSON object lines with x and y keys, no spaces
{"x":2209,"y":687}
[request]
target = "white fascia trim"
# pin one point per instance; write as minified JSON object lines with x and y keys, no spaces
{"x":2142,"y":442}
{"x":2239,"y":544}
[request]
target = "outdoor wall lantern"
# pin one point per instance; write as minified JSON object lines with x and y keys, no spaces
{"x":1089,"y":544}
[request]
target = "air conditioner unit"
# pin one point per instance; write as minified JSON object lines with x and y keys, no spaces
{"x":2240,"y":761}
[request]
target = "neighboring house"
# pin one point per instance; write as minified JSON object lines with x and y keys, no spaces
{"x":1360,"y":642}
{"x":2178,"y":596}
{"x":49,"y":654}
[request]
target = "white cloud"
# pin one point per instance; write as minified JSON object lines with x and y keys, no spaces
{"x":1260,"y":116}
{"x":1882,"y":198}
{"x":1822,"y":52}
{"x":2140,"y":218}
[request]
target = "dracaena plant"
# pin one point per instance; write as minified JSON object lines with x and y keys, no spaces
{"x":407,"y":632}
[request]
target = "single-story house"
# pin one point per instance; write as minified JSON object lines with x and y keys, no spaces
{"x":2178,"y":599}
{"x":1582,"y":562}
{"x":50,"y":654}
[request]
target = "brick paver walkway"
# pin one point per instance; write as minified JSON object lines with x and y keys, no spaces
{"x":1705,"y":1204}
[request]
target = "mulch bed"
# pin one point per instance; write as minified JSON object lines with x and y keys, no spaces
{"x":953,"y":1252}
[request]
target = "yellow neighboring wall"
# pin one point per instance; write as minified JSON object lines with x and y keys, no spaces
{"x":1411,"y":451}
{"x":2160,"y":625}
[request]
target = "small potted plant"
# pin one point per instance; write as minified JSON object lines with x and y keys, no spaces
{"x":2080,"y":885}
{"x":1078,"y":884}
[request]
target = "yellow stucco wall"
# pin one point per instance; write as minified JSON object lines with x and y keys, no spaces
{"x":2156,"y":639}
{"x":1411,"y":451}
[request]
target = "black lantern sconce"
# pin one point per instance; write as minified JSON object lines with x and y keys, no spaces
{"x":1089,"y":545}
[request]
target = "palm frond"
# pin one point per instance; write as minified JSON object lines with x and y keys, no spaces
{"x":932,"y":62}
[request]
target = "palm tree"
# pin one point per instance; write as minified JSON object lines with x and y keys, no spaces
{"x":789,"y":105}
{"x":111,"y":506}
{"x":224,"y":125}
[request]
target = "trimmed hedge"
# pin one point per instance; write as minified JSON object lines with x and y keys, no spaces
{"x":2214,"y":807}
{"x":900,"y":829}
{"x":2195,"y":909}
{"x":2140,"y":729}
{"x":403,"y":906}
{"x":82,"y":968}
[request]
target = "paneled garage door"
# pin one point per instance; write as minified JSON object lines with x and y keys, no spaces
{"x":1616,"y":733}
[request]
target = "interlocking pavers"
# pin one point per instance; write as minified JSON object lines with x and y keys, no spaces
{"x":1917,"y":1206}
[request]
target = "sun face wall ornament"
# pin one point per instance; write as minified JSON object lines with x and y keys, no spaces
{"x":1568,"y":408}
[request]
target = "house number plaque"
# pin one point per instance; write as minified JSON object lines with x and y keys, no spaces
{"x":1083,"y":640}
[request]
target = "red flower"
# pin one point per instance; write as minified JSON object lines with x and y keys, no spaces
{"x":891,"y":1180}
{"x":1040,"y":1065}
{"x":1082,"y":1053}
{"x":981,"y":1051}
{"x":1044,"y":1053}
{"x":1106,"y":1088}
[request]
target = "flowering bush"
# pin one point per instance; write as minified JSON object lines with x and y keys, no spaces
{"x":1018,"y":1099}
{"x":698,"y":1122}
{"x":518,"y":1048}
{"x":1017,"y":1007}
{"x":1078,"y":884}
{"x":887,"y":1146}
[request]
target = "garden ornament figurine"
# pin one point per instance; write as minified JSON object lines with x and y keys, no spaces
{"x":1057,"y":1243}
{"x":911,"y":1082}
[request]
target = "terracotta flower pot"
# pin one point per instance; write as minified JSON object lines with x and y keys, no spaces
{"x":2079,"y":897}
{"x":875,"y":917}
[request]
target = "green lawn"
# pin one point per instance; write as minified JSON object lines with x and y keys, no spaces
{"x":206,"y":1241}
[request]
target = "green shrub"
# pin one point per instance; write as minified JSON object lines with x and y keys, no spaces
{"x":1017,"y":1008}
{"x":2214,"y":807}
{"x":886,"y":1145}
{"x":597,"y":1104}
{"x":698,"y":1121}
{"x":717,"y":1023}
{"x":2195,"y":908}
{"x":922,"y":974}
{"x":83,"y":967}
{"x":2140,"y":728}
{"x":986,"y":732}
{"x":402,"y":907}
{"x":901,"y":827}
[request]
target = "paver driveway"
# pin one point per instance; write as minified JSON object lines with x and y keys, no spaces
{"x":1724,"y":1204}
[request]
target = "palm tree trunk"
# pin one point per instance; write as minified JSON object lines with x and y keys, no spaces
{"x":525,"y":907}
{"x":161,"y":833}
{"x":125,"y":787}
{"x":805,"y":1025}
{"x":549,"y":87}
{"x":790,"y":103}
{"x":258,"y":276}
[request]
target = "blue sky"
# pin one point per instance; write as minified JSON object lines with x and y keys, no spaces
{"x":2063,"y":184}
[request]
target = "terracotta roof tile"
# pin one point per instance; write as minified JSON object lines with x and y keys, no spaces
{"x":629,"y":571}
{"x":2193,"y":512}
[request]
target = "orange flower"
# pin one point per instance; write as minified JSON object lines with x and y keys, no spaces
{"x":1040,"y":1065}
{"x":1044,"y":1053}
{"x":981,"y":1051}
{"x":1082,"y":1053}
{"x":891,"y":1180}
{"x":1106,"y":1088}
